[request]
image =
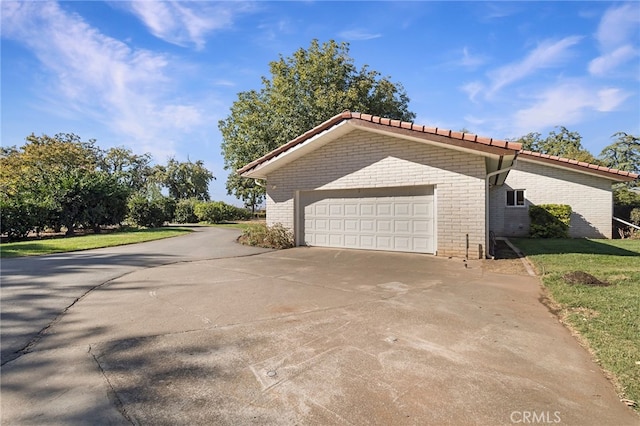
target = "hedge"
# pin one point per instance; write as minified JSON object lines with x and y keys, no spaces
{"x":550,"y":220}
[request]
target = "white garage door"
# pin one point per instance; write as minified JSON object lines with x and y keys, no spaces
{"x":395,"y":219}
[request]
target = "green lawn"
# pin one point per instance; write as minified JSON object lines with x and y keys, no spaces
{"x":86,"y":242}
{"x":608,"y":318}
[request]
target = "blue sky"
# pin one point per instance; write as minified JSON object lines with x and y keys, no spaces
{"x":157,"y":76}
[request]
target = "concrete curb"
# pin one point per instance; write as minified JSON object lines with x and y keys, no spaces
{"x":527,"y":265}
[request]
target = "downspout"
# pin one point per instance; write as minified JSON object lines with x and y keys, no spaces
{"x":486,"y":204}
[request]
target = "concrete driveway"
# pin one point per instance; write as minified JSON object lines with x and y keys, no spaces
{"x":37,"y":289}
{"x":310,"y":336}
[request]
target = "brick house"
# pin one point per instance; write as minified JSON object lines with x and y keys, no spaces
{"x":366,"y":182}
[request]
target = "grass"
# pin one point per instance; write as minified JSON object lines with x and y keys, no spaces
{"x":607,"y":318}
{"x":86,"y":242}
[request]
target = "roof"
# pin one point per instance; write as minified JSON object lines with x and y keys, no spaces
{"x":344,"y":122}
{"x":448,"y":138}
{"x":580,"y":166}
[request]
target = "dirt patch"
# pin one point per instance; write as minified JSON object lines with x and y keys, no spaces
{"x":506,"y":261}
{"x":582,"y":278}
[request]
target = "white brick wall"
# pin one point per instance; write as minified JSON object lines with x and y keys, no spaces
{"x":589,"y":196}
{"x":363,"y":159}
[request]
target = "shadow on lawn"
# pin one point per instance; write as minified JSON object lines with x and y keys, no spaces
{"x":534,"y":247}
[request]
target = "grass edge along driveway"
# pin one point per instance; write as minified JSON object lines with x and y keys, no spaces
{"x":607,"y":318}
{"x":87,"y":242}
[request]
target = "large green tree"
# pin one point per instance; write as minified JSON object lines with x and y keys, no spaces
{"x":53,"y":182}
{"x":623,"y":153}
{"x":185,"y":180}
{"x":561,"y":143}
{"x":304,"y":90}
{"x":128,"y":168}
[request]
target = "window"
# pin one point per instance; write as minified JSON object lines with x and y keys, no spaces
{"x":515,"y":198}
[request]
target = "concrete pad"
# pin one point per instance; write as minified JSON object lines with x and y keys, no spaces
{"x":312,"y":336}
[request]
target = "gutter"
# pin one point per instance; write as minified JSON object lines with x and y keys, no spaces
{"x":486,"y":204}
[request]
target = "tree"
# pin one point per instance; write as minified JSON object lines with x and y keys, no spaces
{"x":248,"y":190}
{"x":130,"y":169}
{"x":562,"y":144}
{"x":304,"y":90}
{"x":623,"y":153}
{"x":54,"y":181}
{"x":185,"y":179}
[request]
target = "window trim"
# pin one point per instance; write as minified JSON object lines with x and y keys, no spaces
{"x":515,"y":199}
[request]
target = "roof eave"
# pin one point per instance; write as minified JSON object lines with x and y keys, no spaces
{"x":580,"y":167}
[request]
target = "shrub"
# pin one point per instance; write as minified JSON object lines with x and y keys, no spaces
{"x":635,"y":216}
{"x":150,"y":213}
{"x":550,"y":221}
{"x":218,"y":212}
{"x":211,"y":212}
{"x":15,"y":220}
{"x":185,"y":211}
{"x":239,"y":213}
{"x":261,"y":235}
{"x":625,"y":201}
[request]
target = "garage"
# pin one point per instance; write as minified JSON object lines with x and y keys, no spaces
{"x":394,"y":219}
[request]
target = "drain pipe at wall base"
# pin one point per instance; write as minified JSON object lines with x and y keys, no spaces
{"x":486,"y":207}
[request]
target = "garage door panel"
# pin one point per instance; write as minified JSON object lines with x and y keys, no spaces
{"x":320,"y":209}
{"x":423,"y":244}
{"x":335,"y":209}
{"x":336,"y":240}
{"x":336,"y":225}
{"x":422,"y":226}
{"x":403,"y":209}
{"x":367,"y":225}
{"x":367,"y":209}
{"x":351,"y":209}
{"x":320,"y":239}
{"x":402,"y":226}
{"x":402,"y":243}
{"x":384,"y":243}
{"x":320,"y":224}
{"x":399,"y":219}
{"x":351,"y":225}
{"x":351,"y":240}
{"x":423,"y":209}
{"x":384,"y":209}
{"x":384,"y":225}
{"x":367,"y":242}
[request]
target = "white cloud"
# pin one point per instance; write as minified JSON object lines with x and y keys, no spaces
{"x":619,"y":25}
{"x":617,"y":39}
{"x":184,"y":23}
{"x":608,"y":62}
{"x":471,"y":61}
{"x":358,"y":34}
{"x":94,"y":77}
{"x":546,"y":55}
{"x":566,"y":104}
{"x":472,"y":90}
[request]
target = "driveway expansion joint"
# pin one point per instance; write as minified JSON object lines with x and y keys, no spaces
{"x":113,"y":395}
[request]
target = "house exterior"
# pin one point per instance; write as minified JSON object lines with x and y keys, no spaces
{"x":366,"y":182}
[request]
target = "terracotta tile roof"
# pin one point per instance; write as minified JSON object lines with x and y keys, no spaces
{"x":579,"y":165}
{"x":401,"y":127}
{"x":448,"y":137}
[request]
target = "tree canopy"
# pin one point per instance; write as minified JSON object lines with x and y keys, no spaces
{"x":54,"y":181}
{"x":623,"y":153}
{"x":185,"y":179}
{"x":63,"y":181}
{"x":304,"y":90}
{"x":561,"y":143}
